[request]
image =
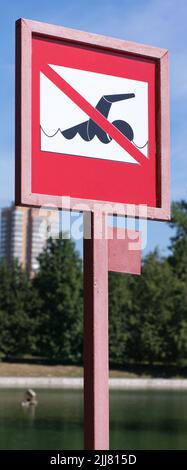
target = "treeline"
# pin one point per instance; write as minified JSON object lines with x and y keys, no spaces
{"x":148,"y":313}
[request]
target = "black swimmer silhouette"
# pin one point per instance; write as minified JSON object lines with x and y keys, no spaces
{"x":89,"y":129}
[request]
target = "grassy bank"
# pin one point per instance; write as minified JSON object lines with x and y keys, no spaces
{"x":40,"y":370}
{"x":19,"y":369}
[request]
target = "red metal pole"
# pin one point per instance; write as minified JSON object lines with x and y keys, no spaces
{"x":96,"y":390}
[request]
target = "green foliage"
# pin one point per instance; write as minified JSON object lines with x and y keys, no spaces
{"x":148,"y":313}
{"x":178,"y":258}
{"x":158,"y":294}
{"x":59,"y":286}
{"x":120,"y":307}
{"x":179,"y":220}
{"x":18,"y":305}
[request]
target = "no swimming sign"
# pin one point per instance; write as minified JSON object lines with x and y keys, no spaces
{"x":94,"y":119}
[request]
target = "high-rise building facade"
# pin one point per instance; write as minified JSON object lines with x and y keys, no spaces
{"x":24,"y":232}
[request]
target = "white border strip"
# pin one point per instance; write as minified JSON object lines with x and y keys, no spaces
{"x":77,"y":383}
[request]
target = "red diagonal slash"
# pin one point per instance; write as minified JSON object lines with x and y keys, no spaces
{"x":92,"y":112}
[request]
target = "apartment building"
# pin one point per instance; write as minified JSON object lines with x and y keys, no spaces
{"x":24,"y":232}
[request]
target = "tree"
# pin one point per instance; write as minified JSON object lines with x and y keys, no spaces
{"x":18,"y":311}
{"x":178,"y":258}
{"x":157,"y":294}
{"x":59,"y":286}
{"x":120,"y":308}
{"x":178,"y":261}
{"x":148,"y":315}
{"x":179,"y":220}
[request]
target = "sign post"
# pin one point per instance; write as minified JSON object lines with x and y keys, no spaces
{"x":96,"y":399}
{"x":103,"y":252}
{"x":92,"y":135}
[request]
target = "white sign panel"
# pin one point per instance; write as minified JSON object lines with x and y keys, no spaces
{"x":67,"y":129}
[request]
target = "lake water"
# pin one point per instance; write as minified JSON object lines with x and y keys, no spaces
{"x":138,"y":420}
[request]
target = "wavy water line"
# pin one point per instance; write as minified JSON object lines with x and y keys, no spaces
{"x":59,"y":130}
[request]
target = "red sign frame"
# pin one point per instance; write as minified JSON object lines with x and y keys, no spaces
{"x":26,"y":126}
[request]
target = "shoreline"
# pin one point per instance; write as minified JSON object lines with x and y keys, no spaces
{"x":77,"y":383}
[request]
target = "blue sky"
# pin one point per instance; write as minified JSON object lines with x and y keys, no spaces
{"x":156,"y":22}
